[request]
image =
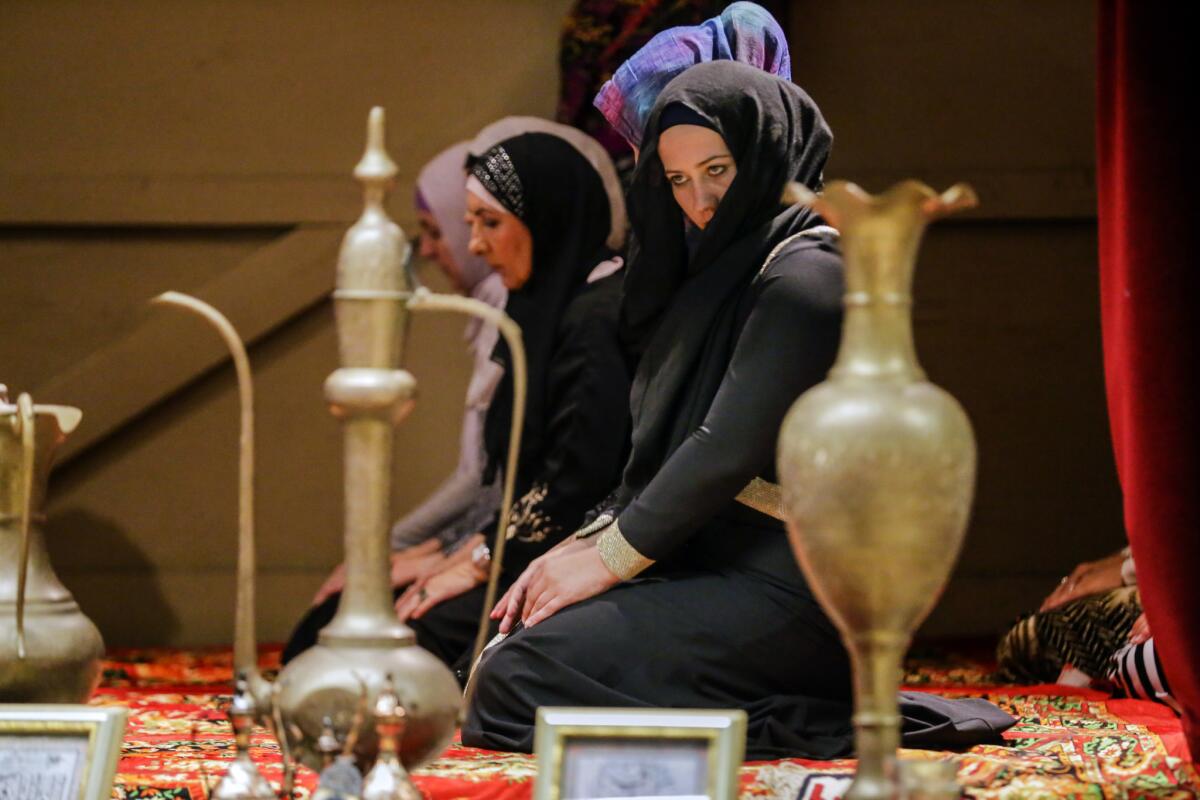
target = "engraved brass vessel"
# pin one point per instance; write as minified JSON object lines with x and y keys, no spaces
{"x":365,"y":647}
{"x":49,"y":651}
{"x":877,"y":464}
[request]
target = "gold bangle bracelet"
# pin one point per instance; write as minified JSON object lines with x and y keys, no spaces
{"x":621,"y":558}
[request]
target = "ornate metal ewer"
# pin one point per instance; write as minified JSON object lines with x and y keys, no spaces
{"x":388,"y":779}
{"x":878,"y":464}
{"x":242,"y":780}
{"x":365,"y":647}
{"x":49,"y":651}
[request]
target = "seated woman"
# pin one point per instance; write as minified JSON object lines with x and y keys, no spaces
{"x":441,"y":526}
{"x":688,"y":596}
{"x":540,"y":217}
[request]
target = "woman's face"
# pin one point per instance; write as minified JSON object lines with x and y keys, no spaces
{"x":502,"y":240}
{"x":434,"y":247}
{"x":699,"y":167}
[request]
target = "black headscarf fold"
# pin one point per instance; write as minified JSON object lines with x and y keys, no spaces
{"x":684,"y":308}
{"x":548,"y":185}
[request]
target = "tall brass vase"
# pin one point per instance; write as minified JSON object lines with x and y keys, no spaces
{"x":877,"y":465}
{"x":49,"y":651}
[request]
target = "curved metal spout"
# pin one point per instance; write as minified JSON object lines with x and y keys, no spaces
{"x":245,"y":646}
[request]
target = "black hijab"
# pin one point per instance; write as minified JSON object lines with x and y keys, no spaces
{"x":684,"y":307}
{"x":544,"y":181}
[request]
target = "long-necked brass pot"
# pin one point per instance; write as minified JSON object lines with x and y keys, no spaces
{"x":878,"y":465}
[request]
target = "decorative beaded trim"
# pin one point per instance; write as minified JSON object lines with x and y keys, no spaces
{"x":764,"y":497}
{"x":495,"y":170}
{"x":621,"y":558}
{"x":595,"y":526}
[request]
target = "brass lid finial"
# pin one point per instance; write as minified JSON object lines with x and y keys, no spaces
{"x":376,"y":166}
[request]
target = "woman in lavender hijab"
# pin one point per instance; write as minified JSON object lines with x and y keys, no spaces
{"x":442,"y":527}
{"x":744,"y":32}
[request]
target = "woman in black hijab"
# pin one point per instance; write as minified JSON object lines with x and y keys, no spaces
{"x":540,"y":217}
{"x":686,"y":593}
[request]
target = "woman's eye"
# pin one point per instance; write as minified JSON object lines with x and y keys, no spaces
{"x":677,"y":180}
{"x":491,"y":223}
{"x":717,"y":170}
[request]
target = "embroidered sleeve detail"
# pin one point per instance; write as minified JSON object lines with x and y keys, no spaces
{"x":595,"y":526}
{"x":764,"y":497}
{"x":527,"y":522}
{"x":621,"y":558}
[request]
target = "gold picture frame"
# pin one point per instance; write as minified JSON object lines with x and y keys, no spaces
{"x":681,"y":754}
{"x":65,"y":752}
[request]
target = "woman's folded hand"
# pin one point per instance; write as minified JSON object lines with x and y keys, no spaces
{"x":452,"y":581}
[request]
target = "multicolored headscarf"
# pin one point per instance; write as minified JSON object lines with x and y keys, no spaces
{"x":743,"y":32}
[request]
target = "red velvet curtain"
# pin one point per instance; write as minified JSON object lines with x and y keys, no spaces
{"x":1149,"y":258}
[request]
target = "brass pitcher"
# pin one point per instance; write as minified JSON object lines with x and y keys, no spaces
{"x":365,"y":648}
{"x":49,"y":651}
{"x":877,"y":464}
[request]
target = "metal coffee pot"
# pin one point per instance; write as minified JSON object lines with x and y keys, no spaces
{"x":365,"y":648}
{"x":49,"y":651}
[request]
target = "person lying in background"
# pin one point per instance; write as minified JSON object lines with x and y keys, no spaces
{"x":1089,"y":631}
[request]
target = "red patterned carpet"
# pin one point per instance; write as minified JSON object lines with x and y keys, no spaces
{"x":1068,"y":743}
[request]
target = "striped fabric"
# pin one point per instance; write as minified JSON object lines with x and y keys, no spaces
{"x":1083,"y":634}
{"x":1139,"y":673}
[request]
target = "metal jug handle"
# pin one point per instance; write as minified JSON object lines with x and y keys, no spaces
{"x":25,"y":421}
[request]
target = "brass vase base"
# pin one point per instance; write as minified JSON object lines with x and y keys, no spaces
{"x":48,"y":673}
{"x":329,"y":683}
{"x":49,"y":651}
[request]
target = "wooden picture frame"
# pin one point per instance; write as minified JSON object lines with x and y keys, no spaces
{"x":59,"y":751}
{"x":675,"y":754}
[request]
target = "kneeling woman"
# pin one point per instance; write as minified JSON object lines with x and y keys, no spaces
{"x":540,"y":217}
{"x":689,"y":597}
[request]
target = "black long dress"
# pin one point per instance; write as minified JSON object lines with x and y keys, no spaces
{"x":724,"y":618}
{"x":587,"y":440}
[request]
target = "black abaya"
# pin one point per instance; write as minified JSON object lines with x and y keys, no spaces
{"x":725,"y":620}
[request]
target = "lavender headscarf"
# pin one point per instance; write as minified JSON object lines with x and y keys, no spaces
{"x":440,"y":191}
{"x":743,"y":32}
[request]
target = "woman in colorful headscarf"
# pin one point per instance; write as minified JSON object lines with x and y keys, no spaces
{"x":744,"y":32}
{"x":684,"y":591}
{"x":541,"y":218}
{"x":463,"y":505}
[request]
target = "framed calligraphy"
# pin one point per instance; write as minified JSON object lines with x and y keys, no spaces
{"x":59,"y":752}
{"x":673,"y":754}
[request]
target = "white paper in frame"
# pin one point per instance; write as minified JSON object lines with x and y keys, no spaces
{"x":666,"y":754}
{"x":59,"y":751}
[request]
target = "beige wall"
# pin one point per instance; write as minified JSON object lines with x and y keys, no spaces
{"x":206,"y":146}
